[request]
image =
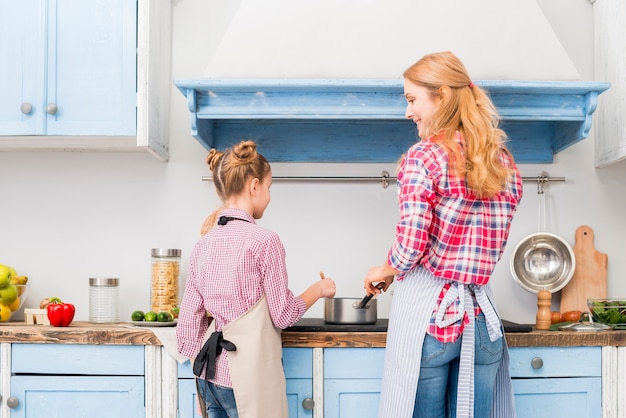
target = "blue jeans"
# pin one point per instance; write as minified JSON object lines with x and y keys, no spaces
{"x":438,"y":381}
{"x":220,"y":401}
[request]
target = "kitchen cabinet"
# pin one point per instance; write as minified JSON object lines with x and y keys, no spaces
{"x":298,"y":366}
{"x":362,"y":121}
{"x":352,"y":381}
{"x":74,"y":381}
{"x":610,"y":65}
{"x":557,"y":381}
{"x":84,"y":75}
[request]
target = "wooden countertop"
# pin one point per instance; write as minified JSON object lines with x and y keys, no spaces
{"x":126,"y":334}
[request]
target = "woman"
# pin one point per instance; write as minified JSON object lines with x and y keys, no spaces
{"x":458,"y":189}
{"x":237,"y":274}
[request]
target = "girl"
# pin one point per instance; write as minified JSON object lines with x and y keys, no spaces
{"x":237,"y":275}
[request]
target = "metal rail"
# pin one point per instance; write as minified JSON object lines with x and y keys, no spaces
{"x":384,"y":179}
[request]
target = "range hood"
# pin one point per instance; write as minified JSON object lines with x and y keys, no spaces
{"x":362,"y":121}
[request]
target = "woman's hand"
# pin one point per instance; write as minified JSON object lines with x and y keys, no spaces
{"x":380,"y":274}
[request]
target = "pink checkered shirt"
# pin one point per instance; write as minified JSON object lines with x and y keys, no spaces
{"x":444,"y":227}
{"x":230,"y":268}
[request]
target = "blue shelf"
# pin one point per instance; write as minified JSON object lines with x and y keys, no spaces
{"x":361,"y":121}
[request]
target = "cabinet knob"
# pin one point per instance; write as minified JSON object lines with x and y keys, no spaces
{"x":308,"y":404}
{"x":12,"y":402}
{"x":51,"y":108}
{"x":26,"y":108}
{"x":536,"y":363}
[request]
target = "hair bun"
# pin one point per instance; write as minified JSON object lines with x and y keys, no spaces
{"x":213,"y":158}
{"x":245,"y":151}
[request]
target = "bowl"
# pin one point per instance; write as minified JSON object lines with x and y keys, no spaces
{"x":608,"y":311}
{"x":543,"y":261}
{"x":12,"y":298}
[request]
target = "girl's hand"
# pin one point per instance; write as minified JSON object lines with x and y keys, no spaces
{"x":327,"y":286}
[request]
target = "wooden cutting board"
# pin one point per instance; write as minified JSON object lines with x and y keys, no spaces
{"x":589,"y":280}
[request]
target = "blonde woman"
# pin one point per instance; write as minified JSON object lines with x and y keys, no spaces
{"x":458,"y":189}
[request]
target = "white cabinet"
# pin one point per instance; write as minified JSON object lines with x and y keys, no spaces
{"x":85,"y":75}
{"x":610,"y":65}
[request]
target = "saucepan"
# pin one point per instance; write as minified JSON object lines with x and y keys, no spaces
{"x":352,"y":310}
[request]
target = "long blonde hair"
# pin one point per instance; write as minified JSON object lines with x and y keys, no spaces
{"x":465,"y":108}
{"x":231,"y":169}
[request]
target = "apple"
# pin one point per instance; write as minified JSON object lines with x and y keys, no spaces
{"x":5,"y":274}
{"x":8,"y":294}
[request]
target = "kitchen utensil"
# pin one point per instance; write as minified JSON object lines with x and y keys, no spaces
{"x":585,"y":327}
{"x":590,"y":276}
{"x":542,"y":261}
{"x":367,"y":298}
{"x":346,"y":311}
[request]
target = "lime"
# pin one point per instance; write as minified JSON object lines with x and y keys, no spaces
{"x":165,"y":317}
{"x":150,"y":316}
{"x":137,"y":316}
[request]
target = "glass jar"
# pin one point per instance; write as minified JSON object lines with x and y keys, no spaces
{"x":165,"y":276}
{"x":104,"y":305}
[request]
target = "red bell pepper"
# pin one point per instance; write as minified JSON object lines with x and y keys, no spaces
{"x":60,"y":314}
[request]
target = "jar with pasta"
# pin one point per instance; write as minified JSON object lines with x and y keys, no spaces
{"x":165,"y":277}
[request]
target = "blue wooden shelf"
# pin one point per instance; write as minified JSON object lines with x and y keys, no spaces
{"x":359,"y":121}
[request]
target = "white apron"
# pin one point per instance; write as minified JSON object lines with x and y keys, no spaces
{"x":256,"y":368}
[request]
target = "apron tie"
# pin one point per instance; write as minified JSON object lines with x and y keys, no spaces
{"x":211,"y":349}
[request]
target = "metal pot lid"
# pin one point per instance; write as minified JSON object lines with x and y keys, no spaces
{"x":585,"y":327}
{"x":543,"y":261}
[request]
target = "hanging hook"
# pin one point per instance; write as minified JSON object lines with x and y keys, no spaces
{"x":542,"y":182}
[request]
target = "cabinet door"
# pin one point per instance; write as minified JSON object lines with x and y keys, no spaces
{"x":22,"y":40}
{"x":187,"y":399}
{"x":92,"y":67}
{"x":352,"y":381}
{"x":298,"y":365}
{"x":557,"y":381}
{"x":559,"y":397}
{"x":78,"y":396}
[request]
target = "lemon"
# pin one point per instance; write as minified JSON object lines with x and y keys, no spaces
{"x":15,"y":305}
{"x":5,"y":312}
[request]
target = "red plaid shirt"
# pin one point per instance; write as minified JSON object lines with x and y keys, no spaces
{"x":230,"y":268}
{"x":444,"y":227}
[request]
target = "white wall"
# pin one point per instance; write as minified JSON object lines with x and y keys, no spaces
{"x":66,"y":217}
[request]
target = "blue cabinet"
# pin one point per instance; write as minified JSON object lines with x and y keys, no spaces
{"x":352,"y":381}
{"x":76,"y":381}
{"x":69,"y":67}
{"x":557,"y":381}
{"x":298,"y":365}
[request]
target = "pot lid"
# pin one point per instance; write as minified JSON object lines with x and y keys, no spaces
{"x":585,"y":327}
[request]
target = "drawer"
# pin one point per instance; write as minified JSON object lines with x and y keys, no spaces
{"x":350,"y":363}
{"x":556,"y":361}
{"x":298,"y":363}
{"x":78,"y":359}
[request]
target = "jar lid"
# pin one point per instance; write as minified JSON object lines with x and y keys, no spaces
{"x":166,"y":252}
{"x":103,"y":281}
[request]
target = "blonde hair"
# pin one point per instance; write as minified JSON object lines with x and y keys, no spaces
{"x":231,"y":169}
{"x":465,"y":108}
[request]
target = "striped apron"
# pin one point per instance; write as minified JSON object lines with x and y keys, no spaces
{"x":412,"y":305}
